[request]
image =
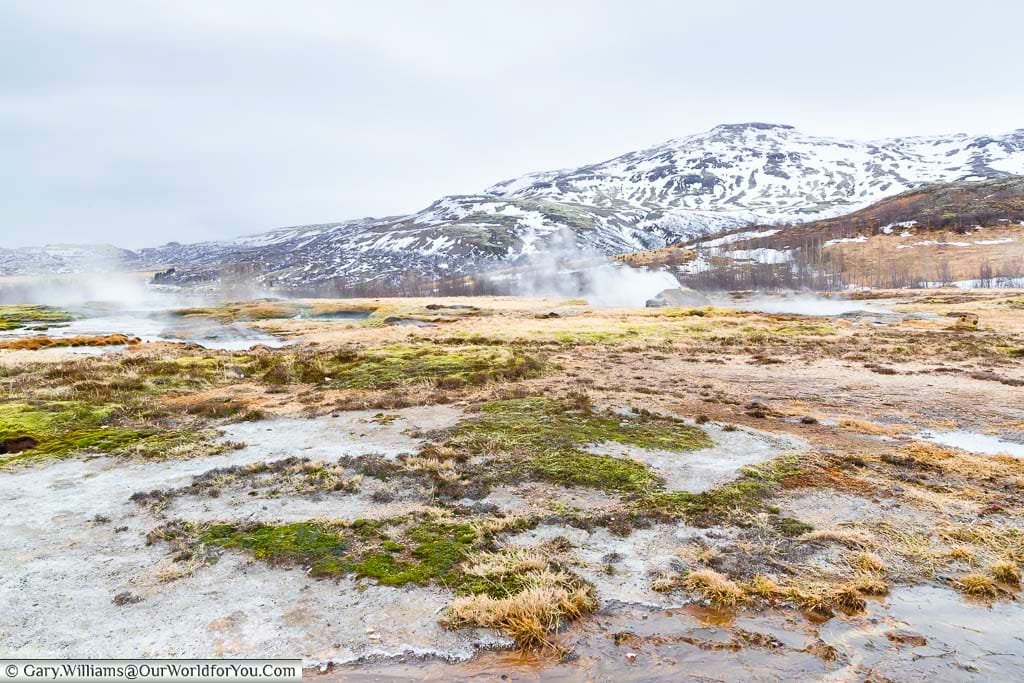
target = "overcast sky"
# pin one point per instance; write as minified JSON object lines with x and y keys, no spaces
{"x":140,"y":122}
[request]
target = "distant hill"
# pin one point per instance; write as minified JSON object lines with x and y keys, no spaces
{"x":730,"y":177}
{"x":943,"y":232}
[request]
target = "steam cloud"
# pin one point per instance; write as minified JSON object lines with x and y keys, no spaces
{"x":564,"y":269}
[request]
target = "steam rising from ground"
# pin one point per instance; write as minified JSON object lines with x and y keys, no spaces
{"x":124,"y":303}
{"x":796,"y":303}
{"x":117,"y":290}
{"x":124,"y":290}
{"x":564,"y":269}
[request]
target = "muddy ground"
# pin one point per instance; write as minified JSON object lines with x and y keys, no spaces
{"x":472,"y":489}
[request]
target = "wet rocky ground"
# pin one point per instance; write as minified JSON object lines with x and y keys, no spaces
{"x":530,"y":489}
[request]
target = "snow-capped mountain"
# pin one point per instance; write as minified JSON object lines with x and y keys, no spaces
{"x":65,"y":259}
{"x":731,"y":176}
{"x":774,"y":172}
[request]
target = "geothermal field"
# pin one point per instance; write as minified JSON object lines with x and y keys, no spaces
{"x":757,"y":488}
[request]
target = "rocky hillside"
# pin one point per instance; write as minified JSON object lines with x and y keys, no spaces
{"x":938,"y":233}
{"x":65,"y":259}
{"x":958,"y":207}
{"x":730,"y":176}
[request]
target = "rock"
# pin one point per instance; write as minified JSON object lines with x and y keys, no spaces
{"x":18,"y":444}
{"x":680,"y":296}
{"x":964,"y":320}
{"x":126,"y":598}
{"x":452,"y":307}
{"x":165,"y":276}
{"x":410,"y":322}
{"x":907,"y":638}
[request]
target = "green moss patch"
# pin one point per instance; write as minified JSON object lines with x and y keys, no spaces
{"x":394,"y":552}
{"x":398,"y":365}
{"x":447,"y":367}
{"x":23,"y":315}
{"x":543,"y":438}
{"x":30,"y":433}
{"x":749,"y":493}
{"x":245,"y":311}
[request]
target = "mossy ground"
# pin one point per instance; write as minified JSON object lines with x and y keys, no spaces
{"x":393,"y":552}
{"x":60,"y":429}
{"x":543,"y":438}
{"x":245,"y":311}
{"x":13,"y":317}
{"x":685,"y":361}
{"x":527,"y":594}
{"x":751,"y":492}
{"x":46,"y":342}
{"x":391,"y":366}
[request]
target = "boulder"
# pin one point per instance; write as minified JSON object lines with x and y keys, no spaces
{"x":679,"y":296}
{"x":964,"y":320}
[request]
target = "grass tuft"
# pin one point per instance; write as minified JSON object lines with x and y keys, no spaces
{"x":977,"y":585}
{"x":1005,"y":571}
{"x":714,"y":587}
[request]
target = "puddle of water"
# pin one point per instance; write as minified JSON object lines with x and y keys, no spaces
{"x":974,"y":442}
{"x":152,"y":326}
{"x":965,"y":641}
{"x":340,"y":315}
{"x":632,"y":644}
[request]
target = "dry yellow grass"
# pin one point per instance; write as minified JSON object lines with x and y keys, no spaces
{"x":874,"y":428}
{"x":444,"y":469}
{"x":531,"y":597}
{"x":811,"y":596}
{"x":977,"y":585}
{"x":1005,"y":571}
{"x":698,"y":554}
{"x":848,"y":598}
{"x":966,"y":464}
{"x":869,"y":562}
{"x":851,"y":538}
{"x":497,"y":525}
{"x":963,"y":553}
{"x":869,"y":584}
{"x":506,"y":562}
{"x":47,"y":342}
{"x":913,"y":546}
{"x":763,"y":587}
{"x":1002,"y":542}
{"x":665,"y":583}
{"x":531,"y":615}
{"x":714,"y":587}
{"x":175,"y":570}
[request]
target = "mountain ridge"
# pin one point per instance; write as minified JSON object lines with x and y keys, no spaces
{"x":730,"y":176}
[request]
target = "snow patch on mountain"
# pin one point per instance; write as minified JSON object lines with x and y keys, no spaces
{"x":722,"y":180}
